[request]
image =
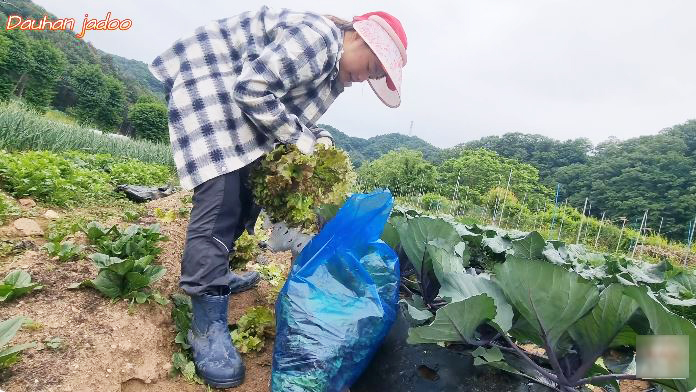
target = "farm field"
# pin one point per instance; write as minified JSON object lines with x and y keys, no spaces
{"x":128,"y":339}
{"x":91,"y":278}
{"x":107,"y":345}
{"x":90,"y":288}
{"x":527,"y":225}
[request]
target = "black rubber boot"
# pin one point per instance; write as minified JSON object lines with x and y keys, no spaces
{"x":217,"y":361}
{"x":244,"y":282}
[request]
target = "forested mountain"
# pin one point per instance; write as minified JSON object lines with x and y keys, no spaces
{"x":543,"y":152}
{"x":655,"y":173}
{"x":623,"y":178}
{"x":362,"y":150}
{"x":134,"y":70}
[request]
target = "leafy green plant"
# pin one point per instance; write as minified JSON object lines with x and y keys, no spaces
{"x":32,"y":325}
{"x":8,"y":329}
{"x":494,"y":289}
{"x":65,"y":251}
{"x":135,"y":172}
{"x":433,"y":201}
{"x":290,"y":185}
{"x":252,"y":329}
{"x":134,"y":242}
{"x":273,"y":273}
{"x":126,"y":278}
{"x":246,"y":248}
{"x":54,"y":343}
{"x":8,"y":208}
{"x":182,"y":361}
{"x":64,"y":226}
{"x":165,"y":216}
{"x":187,"y":199}
{"x":16,"y":284}
{"x":183,"y":212}
{"x":131,"y":215}
{"x":11,"y":247}
{"x":51,"y":178}
{"x":101,"y":162}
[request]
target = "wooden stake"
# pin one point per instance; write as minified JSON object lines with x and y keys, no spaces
{"x":577,"y":239}
{"x":587,"y":227}
{"x":560,"y":228}
{"x":659,"y":230}
{"x":640,"y":231}
{"x":601,"y":223}
{"x":502,"y":210}
{"x":519,"y":215}
{"x":623,"y":218}
{"x":497,"y":199}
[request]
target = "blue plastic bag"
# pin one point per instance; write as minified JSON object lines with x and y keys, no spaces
{"x":339,"y":301}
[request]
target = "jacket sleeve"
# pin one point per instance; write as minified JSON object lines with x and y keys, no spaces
{"x":299,"y":54}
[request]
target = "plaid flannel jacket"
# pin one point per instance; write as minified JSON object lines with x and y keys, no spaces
{"x":237,"y":86}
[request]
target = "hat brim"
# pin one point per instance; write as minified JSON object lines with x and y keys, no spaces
{"x":389,"y":55}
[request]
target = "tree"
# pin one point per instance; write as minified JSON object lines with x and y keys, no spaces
{"x":40,"y":85}
{"x":403,"y":171}
{"x":17,"y":64}
{"x":625,"y":178}
{"x":542,"y":152}
{"x":150,"y":121}
{"x":100,"y":98}
{"x":114,"y":105}
{"x":478,"y":171}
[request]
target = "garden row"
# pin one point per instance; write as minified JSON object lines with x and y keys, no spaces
{"x":562,"y":223}
{"x":24,"y":129}
{"x":482,"y":186}
{"x":69,"y":178}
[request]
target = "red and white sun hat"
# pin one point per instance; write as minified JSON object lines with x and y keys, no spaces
{"x":386,"y":37}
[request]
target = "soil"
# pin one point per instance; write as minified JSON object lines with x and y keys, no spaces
{"x":107,"y":346}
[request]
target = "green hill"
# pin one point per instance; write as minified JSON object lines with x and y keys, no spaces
{"x":361,"y":150}
{"x":134,"y":74}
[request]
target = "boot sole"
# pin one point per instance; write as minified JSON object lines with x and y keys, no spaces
{"x":225,"y":384}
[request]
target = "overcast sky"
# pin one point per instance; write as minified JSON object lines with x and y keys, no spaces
{"x":564,"y":69}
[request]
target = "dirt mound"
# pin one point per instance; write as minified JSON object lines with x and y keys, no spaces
{"x":104,"y":345}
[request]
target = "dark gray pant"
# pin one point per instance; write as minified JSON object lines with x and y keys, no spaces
{"x":222,"y":208}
